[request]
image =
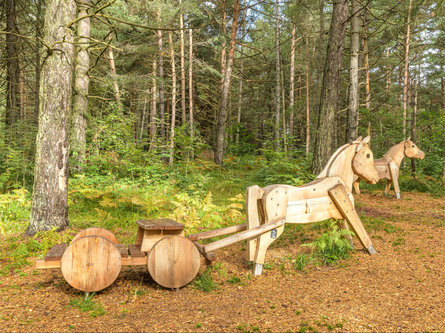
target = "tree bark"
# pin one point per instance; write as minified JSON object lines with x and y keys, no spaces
{"x":154,"y":93}
{"x":191,"y":120}
{"x":81,"y":83}
{"x":117,"y":94}
{"x":223,"y":46}
{"x":240,"y":92}
{"x":366,"y":64}
{"x":406,"y":69}
{"x":353,"y":73}
{"x":414,"y":122}
{"x":49,"y":207}
{"x":161,"y":81}
{"x":222,"y":108}
{"x":173,"y":114}
{"x":12,"y":66}
{"x":308,"y":120}
{"x":183,"y":97}
{"x":330,"y":88}
{"x":292,"y":82}
{"x":38,"y":27}
{"x":277,"y":79}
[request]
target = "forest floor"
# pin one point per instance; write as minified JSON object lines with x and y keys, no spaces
{"x":401,"y":288}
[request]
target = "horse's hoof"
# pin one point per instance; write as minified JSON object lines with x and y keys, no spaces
{"x":371,"y":250}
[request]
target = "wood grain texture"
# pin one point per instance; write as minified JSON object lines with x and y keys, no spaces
{"x":56,"y":252}
{"x":151,"y":236}
{"x":91,"y":263}
{"x":253,"y":215}
{"x":160,"y":224}
{"x":218,"y":232}
{"x":97,"y":232}
{"x":173,"y":262}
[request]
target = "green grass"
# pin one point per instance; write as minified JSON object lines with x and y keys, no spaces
{"x":86,"y":304}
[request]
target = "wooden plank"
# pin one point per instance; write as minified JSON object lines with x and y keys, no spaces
{"x":91,"y":263}
{"x":135,"y":251}
{"x":56,"y":252}
{"x":211,"y":256}
{"x":248,"y":234}
{"x":43,"y":264}
{"x":253,"y":215}
{"x":173,"y":262}
{"x":151,"y":237}
{"x":138,"y":261}
{"x":217,"y":232}
{"x":160,"y":224}
{"x":123,"y":249}
{"x":340,"y":197}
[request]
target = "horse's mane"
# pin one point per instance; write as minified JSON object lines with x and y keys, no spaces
{"x":324,"y":172}
{"x":393,"y":148}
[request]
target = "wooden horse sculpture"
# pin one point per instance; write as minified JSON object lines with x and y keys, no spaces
{"x":389,"y":165}
{"x":328,"y":196}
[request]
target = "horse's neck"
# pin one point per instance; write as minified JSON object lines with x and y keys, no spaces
{"x":396,"y":153}
{"x":341,"y":167}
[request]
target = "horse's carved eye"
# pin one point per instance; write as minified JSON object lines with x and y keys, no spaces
{"x":368,"y":155}
{"x":412,"y":146}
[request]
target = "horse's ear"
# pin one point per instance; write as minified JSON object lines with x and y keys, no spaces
{"x":408,"y":139}
{"x":357,"y":140}
{"x":363,"y":142}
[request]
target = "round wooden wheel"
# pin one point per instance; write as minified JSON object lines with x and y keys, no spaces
{"x":173,"y":261}
{"x":97,"y":232}
{"x":91,"y":263}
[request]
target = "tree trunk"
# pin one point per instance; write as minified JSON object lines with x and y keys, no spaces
{"x":161,"y":81}
{"x":49,"y":207}
{"x":223,"y":46}
{"x":366,"y":65}
{"x":353,"y":73}
{"x":183,"y":97}
{"x":117,"y":93}
{"x":173,"y":114}
{"x":81,"y":82}
{"x":308,"y":120}
{"x":277,"y":79}
{"x":406,"y":68}
{"x":330,"y":87}
{"x":283,"y":114}
{"x":38,"y":25}
{"x":222,"y":108}
{"x":154,"y":93}
{"x":191,"y":120}
{"x":292,"y":82}
{"x":144,"y":109}
{"x":12,"y":66}
{"x":240,"y":92}
{"x":414,"y":123}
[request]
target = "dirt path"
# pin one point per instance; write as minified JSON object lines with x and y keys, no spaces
{"x":402,"y":288}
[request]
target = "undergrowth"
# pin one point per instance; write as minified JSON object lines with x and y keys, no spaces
{"x":86,"y":304}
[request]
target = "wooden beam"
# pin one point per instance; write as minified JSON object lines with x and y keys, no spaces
{"x":248,"y":234}
{"x":340,"y":197}
{"x":217,"y":232}
{"x":210,"y":256}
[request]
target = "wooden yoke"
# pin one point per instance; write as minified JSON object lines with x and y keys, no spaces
{"x":340,"y":197}
{"x":253,"y":214}
{"x":274,"y":204}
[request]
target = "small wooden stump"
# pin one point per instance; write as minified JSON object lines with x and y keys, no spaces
{"x":96,"y":232}
{"x":91,"y":263}
{"x":173,"y":261}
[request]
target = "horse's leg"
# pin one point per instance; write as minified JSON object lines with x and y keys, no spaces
{"x":253,"y":194}
{"x":393,"y":169}
{"x":275,"y":207}
{"x":342,"y":224}
{"x":356,"y":185}
{"x":340,"y":197}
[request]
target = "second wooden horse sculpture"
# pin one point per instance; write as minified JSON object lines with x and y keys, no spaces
{"x":328,"y":196}
{"x":389,"y":165}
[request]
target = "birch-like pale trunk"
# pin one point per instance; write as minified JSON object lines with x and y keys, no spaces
{"x":49,"y":206}
{"x":182,"y":60}
{"x":366,"y":65}
{"x":406,"y":69}
{"x":222,"y":108}
{"x":277,"y":79}
{"x":117,"y":94}
{"x":161,"y":81}
{"x":173,"y":111}
{"x":353,"y":73}
{"x":292,"y":82}
{"x":81,"y":84}
{"x":144,"y":109}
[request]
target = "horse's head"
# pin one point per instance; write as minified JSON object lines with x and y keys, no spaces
{"x":363,"y":162}
{"x":412,"y":151}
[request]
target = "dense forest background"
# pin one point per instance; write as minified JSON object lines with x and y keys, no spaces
{"x":157,"y":85}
